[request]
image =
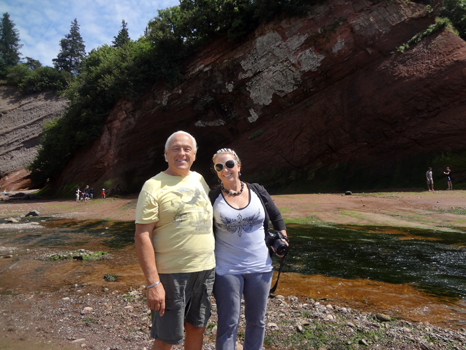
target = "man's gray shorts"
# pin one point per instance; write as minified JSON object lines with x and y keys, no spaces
{"x":187,"y":299}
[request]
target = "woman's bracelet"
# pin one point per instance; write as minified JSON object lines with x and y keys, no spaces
{"x":153,"y":285}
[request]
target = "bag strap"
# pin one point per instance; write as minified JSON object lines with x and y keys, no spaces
{"x":282,"y":263}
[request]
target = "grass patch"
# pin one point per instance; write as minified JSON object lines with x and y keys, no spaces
{"x":440,"y":25}
{"x":284,"y":210}
{"x":77,"y":255}
{"x":453,"y":210}
{"x":307,"y":220}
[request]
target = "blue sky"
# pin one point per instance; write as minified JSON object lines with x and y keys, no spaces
{"x":43,"y":23}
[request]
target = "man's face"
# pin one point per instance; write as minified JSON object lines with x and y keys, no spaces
{"x":180,"y":155}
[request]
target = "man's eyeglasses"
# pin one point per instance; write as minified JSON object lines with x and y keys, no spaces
{"x":230,"y":164}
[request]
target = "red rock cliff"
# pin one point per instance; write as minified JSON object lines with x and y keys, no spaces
{"x":299,"y":97}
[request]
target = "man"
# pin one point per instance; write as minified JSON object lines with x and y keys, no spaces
{"x":175,"y":247}
{"x":430,"y":180}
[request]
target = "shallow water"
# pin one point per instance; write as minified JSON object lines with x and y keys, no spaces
{"x":433,"y":261}
{"x":414,"y":274}
{"x":409,"y":273}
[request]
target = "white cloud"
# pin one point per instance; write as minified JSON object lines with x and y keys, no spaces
{"x":43,"y":23}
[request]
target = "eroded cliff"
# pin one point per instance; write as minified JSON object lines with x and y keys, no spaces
{"x":21,"y":125}
{"x":299,"y":100}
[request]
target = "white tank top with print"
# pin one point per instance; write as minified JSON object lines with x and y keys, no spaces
{"x":239,"y":237}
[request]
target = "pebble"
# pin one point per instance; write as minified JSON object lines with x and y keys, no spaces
{"x":383,"y":317}
{"x":86,"y":310}
{"x":363,"y":342}
{"x":78,"y":340}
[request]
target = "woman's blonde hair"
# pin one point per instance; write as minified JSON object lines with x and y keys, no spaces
{"x":226,"y":150}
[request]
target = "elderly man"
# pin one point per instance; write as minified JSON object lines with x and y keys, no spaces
{"x":175,"y":247}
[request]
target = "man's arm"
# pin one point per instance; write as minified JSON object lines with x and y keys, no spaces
{"x":145,"y":251}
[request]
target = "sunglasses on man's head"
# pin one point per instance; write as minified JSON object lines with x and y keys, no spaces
{"x":230,"y":164}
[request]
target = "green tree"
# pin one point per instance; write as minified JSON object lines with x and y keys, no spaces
{"x":455,"y":11}
{"x":9,"y":44}
{"x":72,"y":51}
{"x":31,"y":63}
{"x":122,"y":37}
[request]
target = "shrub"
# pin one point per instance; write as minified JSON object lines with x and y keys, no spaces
{"x":455,"y":11}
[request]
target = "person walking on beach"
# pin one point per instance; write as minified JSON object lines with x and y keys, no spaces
{"x":430,"y":180}
{"x":449,"y":178}
{"x":78,"y":192}
{"x":103,"y":193}
{"x":175,"y":247}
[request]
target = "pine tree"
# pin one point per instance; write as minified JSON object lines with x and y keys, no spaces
{"x":72,"y":51}
{"x":123,"y":36}
{"x":9,"y":43}
{"x":32,"y":64}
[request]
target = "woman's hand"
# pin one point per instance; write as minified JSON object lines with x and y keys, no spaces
{"x":283,"y":232}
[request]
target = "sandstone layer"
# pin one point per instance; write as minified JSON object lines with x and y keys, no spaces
{"x":298,"y":98}
{"x":21,"y":125}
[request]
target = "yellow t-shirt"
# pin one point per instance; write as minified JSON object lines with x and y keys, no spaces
{"x":183,"y":238}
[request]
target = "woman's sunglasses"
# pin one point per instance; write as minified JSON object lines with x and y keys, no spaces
{"x":230,"y":164}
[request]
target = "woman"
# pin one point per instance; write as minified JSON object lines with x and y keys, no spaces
{"x":243,"y":263}
{"x":448,"y":173}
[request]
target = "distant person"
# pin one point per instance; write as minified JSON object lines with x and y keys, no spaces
{"x":244,"y":266}
{"x":78,"y":193}
{"x":103,"y":193}
{"x":91,"y":193}
{"x":449,"y":178}
{"x":430,"y":180}
{"x":175,"y":246}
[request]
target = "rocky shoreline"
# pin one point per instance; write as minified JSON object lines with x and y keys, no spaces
{"x":80,"y":317}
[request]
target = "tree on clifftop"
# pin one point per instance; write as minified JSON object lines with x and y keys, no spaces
{"x":455,"y":11}
{"x":72,"y":51}
{"x":123,"y":36}
{"x":9,"y":44}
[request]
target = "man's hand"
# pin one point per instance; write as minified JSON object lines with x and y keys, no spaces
{"x":156,"y":298}
{"x":145,"y":251}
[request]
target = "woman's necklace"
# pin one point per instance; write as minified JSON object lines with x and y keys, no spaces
{"x":231,"y":192}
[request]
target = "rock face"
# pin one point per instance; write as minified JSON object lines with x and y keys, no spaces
{"x":21,"y":121}
{"x":297,"y":99}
